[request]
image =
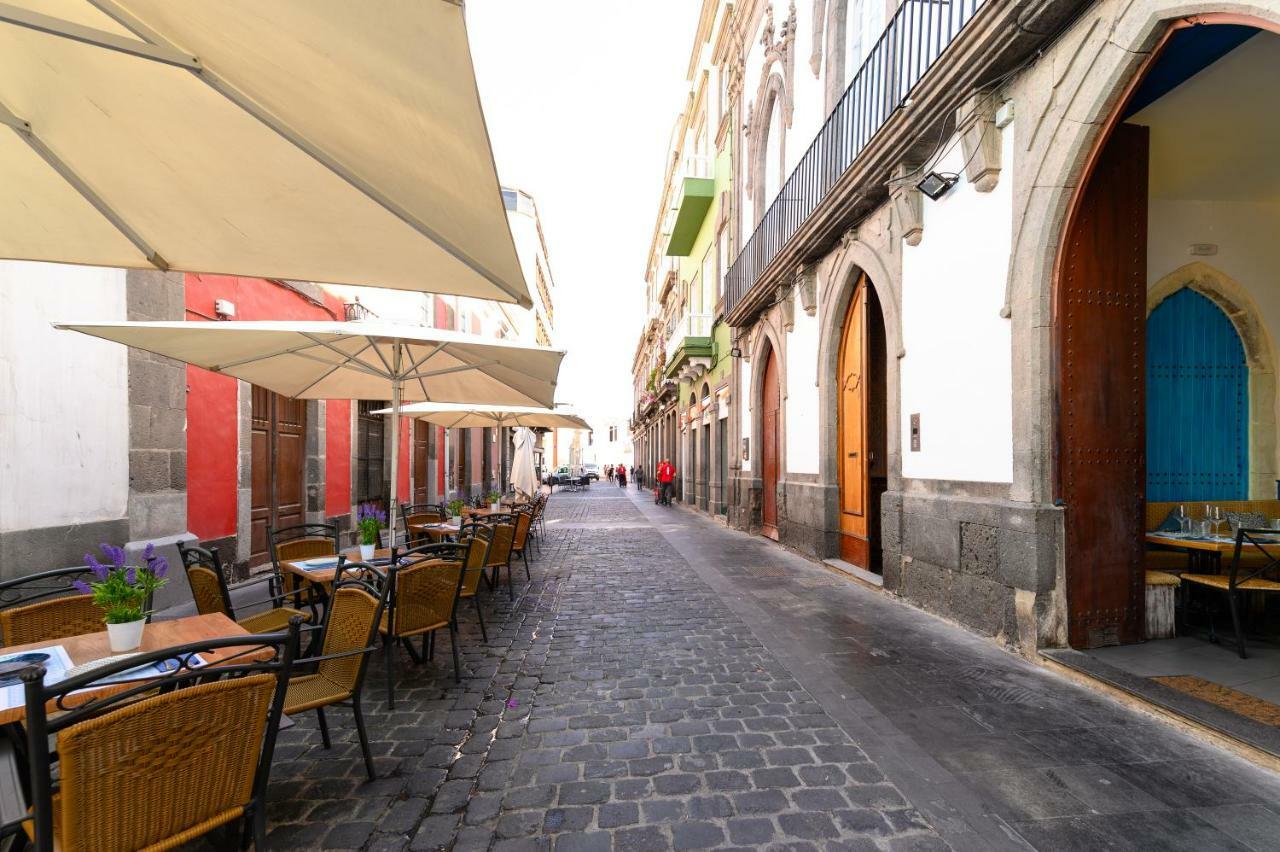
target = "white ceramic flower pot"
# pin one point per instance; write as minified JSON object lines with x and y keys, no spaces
{"x":367,"y":551}
{"x":456,"y":520}
{"x":127,"y":636}
{"x":495,"y":507}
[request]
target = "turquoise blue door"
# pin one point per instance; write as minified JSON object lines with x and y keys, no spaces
{"x":1197,"y":403}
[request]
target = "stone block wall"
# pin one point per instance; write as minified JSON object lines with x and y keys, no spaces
{"x":976,"y":560}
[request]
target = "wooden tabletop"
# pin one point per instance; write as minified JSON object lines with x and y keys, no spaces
{"x":155,"y":637}
{"x":325,"y":574}
{"x":441,"y":529}
{"x":1220,"y":544}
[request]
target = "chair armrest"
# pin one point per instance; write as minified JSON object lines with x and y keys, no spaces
{"x":342,"y":655}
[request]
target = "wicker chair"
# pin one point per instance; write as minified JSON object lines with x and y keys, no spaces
{"x":161,"y":761}
{"x":43,"y":607}
{"x":422,"y":513}
{"x":422,"y":598}
{"x":521,"y":540}
{"x":210,"y":592}
{"x":502,"y":531}
{"x":480,"y":536}
{"x":290,"y":544}
{"x":350,"y":629}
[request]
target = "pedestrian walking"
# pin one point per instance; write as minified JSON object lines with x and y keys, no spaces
{"x":608,"y":473}
{"x":622,"y":476}
{"x":637,"y":473}
{"x":666,"y":476}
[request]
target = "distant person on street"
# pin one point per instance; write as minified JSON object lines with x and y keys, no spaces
{"x":608,"y":473}
{"x":637,"y":473}
{"x":666,"y":476}
{"x":622,"y":476}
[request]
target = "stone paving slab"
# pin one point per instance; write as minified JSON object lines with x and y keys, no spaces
{"x":665,"y":683}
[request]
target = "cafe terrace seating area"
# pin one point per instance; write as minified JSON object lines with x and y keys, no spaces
{"x":189,"y":721}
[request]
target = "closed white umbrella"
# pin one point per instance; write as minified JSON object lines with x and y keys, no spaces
{"x":320,"y":140}
{"x":523,"y":476}
{"x":352,"y":360}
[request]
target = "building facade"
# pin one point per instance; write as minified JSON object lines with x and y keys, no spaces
{"x":961,"y":239}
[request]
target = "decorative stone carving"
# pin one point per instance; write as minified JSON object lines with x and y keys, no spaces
{"x":786,"y":308}
{"x":806,"y":286}
{"x":819,"y":19}
{"x":980,"y":140}
{"x":908,"y":206}
{"x":776,"y":83}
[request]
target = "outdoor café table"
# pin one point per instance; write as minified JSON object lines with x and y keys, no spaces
{"x":437,"y":531}
{"x":1206,"y":552}
{"x":157,"y":636}
{"x":484,"y":513}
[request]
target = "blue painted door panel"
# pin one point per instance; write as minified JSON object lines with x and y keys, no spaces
{"x":1197,"y":403}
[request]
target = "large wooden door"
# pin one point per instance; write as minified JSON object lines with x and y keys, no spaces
{"x":770,"y":411}
{"x":278,"y":430}
{"x":421,"y":471}
{"x":853,"y":429}
{"x":1101,"y":465}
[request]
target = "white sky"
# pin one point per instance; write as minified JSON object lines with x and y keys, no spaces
{"x":581,"y":97}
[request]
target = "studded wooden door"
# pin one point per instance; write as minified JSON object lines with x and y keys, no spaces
{"x":852,"y":429}
{"x":421,"y":456}
{"x":770,"y":405}
{"x":1101,"y":465}
{"x":278,"y":428}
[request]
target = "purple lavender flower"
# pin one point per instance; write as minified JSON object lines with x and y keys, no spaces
{"x":99,"y":570}
{"x":160,"y":567}
{"x":115,"y":554}
{"x":131,"y":575}
{"x":82,"y":587}
{"x":150,"y":552}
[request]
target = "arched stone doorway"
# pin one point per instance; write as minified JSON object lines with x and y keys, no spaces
{"x":1127,"y":220}
{"x":770,"y":444}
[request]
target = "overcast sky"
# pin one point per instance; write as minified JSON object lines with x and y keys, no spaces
{"x":580,"y":97}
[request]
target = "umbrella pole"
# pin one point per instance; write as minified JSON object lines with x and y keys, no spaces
{"x":396,"y":385}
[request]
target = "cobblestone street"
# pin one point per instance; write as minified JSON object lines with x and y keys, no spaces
{"x":666,"y":683}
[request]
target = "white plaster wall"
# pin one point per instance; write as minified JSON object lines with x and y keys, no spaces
{"x":803,"y":435}
{"x":957,"y":372}
{"x":744,"y":413}
{"x":64,"y":404}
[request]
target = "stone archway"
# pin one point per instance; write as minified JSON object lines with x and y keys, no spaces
{"x":1234,"y":301}
{"x":765,"y":341}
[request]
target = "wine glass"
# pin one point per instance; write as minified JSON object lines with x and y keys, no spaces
{"x":1184,"y":520}
{"x":1218,"y":520}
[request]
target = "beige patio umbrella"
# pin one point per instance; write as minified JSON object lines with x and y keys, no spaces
{"x":462,"y":416}
{"x":353,"y":360}
{"x":319,"y":140}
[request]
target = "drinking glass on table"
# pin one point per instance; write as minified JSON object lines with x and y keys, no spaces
{"x":1218,"y":520}
{"x":1184,"y":520}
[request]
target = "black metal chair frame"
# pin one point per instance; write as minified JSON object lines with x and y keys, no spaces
{"x":297,"y":531}
{"x":373,"y":580}
{"x":416,"y":508}
{"x":480,"y":535}
{"x":41,"y":725}
{"x":1236,"y":576}
{"x":446,"y":550}
{"x":509,"y":519}
{"x":195,"y":556}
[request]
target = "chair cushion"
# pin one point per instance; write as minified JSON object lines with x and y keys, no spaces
{"x":311,"y":691}
{"x":271,"y":620}
{"x":1161,"y":578}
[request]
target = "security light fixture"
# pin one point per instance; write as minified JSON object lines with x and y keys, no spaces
{"x":735,"y":352}
{"x":935,"y":185}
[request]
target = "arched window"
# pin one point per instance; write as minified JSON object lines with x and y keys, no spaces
{"x":772,"y":153}
{"x":1197,"y":403}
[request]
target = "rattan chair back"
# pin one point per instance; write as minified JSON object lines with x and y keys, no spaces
{"x":479,"y":535}
{"x":425,"y":583}
{"x":502,"y":533}
{"x":524,"y":520}
{"x":161,"y":761}
{"x":303,"y":541}
{"x":45,"y":606}
{"x":208,"y":583}
{"x":350,"y":632}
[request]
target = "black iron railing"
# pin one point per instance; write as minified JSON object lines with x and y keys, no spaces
{"x":918,"y":34}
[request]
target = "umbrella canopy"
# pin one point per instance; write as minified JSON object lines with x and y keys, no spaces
{"x":459,"y":416}
{"x":523,"y":477}
{"x":302,"y":139}
{"x":352,"y":360}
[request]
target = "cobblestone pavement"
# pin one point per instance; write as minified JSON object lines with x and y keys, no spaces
{"x":665,"y":683}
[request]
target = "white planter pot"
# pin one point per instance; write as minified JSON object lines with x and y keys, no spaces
{"x":495,"y":507}
{"x":456,"y":520}
{"x":366,"y":551}
{"x":127,"y":636}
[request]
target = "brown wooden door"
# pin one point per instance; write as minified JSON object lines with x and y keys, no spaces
{"x":853,"y":430}
{"x":278,"y":428}
{"x":1101,"y":355}
{"x":421,"y":442}
{"x":770,"y":405}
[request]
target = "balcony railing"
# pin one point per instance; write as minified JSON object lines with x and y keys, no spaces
{"x":916,"y":36}
{"x":689,"y":325}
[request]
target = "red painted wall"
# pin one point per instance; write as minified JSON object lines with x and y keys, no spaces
{"x":402,"y":472}
{"x":212,"y":406}
{"x":337,"y":460}
{"x":440,"y":464}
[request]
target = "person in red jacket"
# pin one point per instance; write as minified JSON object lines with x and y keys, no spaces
{"x":621,"y":472}
{"x":666,"y":476}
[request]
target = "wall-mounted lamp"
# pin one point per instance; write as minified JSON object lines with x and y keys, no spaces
{"x":735,"y":352}
{"x":935,"y":185}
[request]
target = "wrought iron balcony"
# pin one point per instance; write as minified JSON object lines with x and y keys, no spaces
{"x":918,"y":34}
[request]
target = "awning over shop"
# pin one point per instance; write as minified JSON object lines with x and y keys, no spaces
{"x":320,"y":140}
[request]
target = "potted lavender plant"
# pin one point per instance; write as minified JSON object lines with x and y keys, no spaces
{"x":455,"y":512}
{"x":123,"y":592}
{"x":370,"y":521}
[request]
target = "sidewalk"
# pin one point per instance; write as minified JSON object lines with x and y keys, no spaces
{"x":994,"y":751}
